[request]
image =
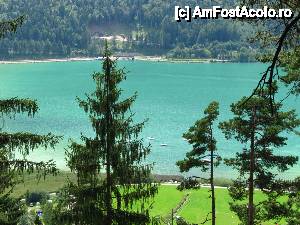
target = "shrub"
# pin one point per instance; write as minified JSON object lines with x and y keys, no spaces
{"x":34,"y":197}
{"x":188,"y":183}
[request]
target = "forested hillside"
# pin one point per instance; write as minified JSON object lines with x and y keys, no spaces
{"x":60,"y":28}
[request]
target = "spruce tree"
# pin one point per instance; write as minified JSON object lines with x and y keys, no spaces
{"x":261,"y":133}
{"x":11,"y":167}
{"x":119,"y":195}
{"x":201,"y":137}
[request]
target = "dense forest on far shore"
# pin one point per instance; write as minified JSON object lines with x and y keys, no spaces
{"x":77,"y":28}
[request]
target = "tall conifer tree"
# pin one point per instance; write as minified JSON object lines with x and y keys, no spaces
{"x":11,"y":167}
{"x":122,"y":194}
{"x":261,"y":133}
{"x":201,"y":137}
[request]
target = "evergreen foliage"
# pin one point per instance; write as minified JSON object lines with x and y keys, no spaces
{"x":121,"y":197}
{"x":200,"y":136}
{"x":22,"y":143}
{"x":291,"y":66}
{"x":188,"y":183}
{"x":282,"y":37}
{"x":11,"y":167}
{"x":291,"y":212}
{"x":72,"y":28}
{"x":258,"y":165}
{"x":10,"y":26}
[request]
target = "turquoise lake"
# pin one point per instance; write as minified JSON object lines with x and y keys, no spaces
{"x":171,"y":95}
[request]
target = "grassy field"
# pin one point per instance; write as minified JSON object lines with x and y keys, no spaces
{"x":168,"y":197}
{"x":50,"y":184}
{"x":199,"y":206}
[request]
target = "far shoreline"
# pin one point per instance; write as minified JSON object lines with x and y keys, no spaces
{"x":134,"y":58}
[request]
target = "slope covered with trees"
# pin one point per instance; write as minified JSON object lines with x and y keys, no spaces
{"x":73,"y":28}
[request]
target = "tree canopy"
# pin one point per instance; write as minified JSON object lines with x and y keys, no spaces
{"x":121,"y":195}
{"x":261,"y":133}
{"x":11,"y":166}
{"x":72,"y":28}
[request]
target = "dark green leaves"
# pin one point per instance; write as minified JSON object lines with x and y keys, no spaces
{"x":262,"y":133}
{"x":200,"y":137}
{"x":14,"y":105}
{"x":10,"y":26}
{"x":25,"y":142}
{"x":120,"y":196}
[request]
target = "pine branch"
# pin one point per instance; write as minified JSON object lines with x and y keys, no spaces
{"x":25,"y":142}
{"x":269,"y":74}
{"x":19,"y":165}
{"x":15,"y":105}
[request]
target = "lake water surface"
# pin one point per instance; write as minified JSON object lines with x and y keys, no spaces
{"x":172,"y":96}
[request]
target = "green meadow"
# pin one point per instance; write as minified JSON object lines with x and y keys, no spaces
{"x":194,"y":209}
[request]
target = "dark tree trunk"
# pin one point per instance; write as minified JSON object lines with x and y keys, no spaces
{"x":108,"y":148}
{"x":251,"y":179}
{"x":213,"y":200}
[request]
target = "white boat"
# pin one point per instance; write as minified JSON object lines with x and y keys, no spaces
{"x":206,"y":160}
{"x":163,"y":145}
{"x":151,"y":138}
